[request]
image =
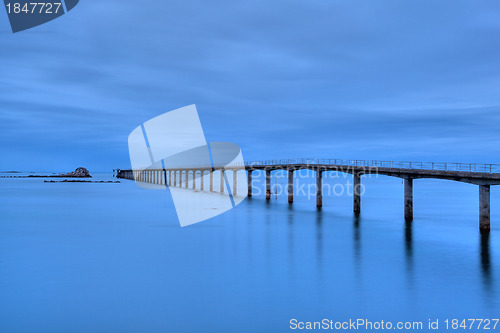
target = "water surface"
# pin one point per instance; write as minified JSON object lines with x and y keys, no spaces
{"x":77,"y":257}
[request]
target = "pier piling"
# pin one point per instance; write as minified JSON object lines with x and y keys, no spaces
{"x":484,"y":208}
{"x":319,"y":188}
{"x":408,"y":199}
{"x":249,"y":183}
{"x":235,"y":184}
{"x":211,"y":180}
{"x":268,"y":184}
{"x":357,"y":193}
{"x":290,"y":186}
{"x":222,"y":181}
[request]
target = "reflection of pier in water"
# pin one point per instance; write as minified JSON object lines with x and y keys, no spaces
{"x":485,"y":258}
{"x":482,"y":175}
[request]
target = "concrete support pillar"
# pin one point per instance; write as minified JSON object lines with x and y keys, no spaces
{"x":290,"y":186}
{"x":249,"y":183}
{"x":235,"y":182}
{"x":211,"y":180}
{"x":202,"y":174}
{"x":408,"y":199}
{"x":484,"y":208}
{"x":222,"y":181}
{"x":319,"y":188}
{"x":357,"y":193}
{"x":268,"y":184}
{"x":175,"y":178}
{"x":186,"y":180}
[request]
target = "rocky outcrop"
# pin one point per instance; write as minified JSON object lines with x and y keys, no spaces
{"x":78,"y":173}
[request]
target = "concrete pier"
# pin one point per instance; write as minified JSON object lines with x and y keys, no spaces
{"x":484,"y":208}
{"x":482,"y":175}
{"x":357,"y":193}
{"x":249,"y":183}
{"x":202,"y":174}
{"x":408,"y":199}
{"x":235,"y":182}
{"x":290,"y":186}
{"x":222,"y":183}
{"x":268,"y":184}
{"x":319,"y":188}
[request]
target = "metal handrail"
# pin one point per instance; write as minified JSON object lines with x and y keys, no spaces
{"x":411,"y":165}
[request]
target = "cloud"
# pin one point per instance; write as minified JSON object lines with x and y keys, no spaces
{"x":384,"y":79}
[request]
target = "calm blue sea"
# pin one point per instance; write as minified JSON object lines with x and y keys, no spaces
{"x":78,"y":257}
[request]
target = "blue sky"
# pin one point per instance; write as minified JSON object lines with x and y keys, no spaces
{"x":400,"y":80}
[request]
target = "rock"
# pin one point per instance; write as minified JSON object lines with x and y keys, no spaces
{"x":78,"y":173}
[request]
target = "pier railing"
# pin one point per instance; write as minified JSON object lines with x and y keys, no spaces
{"x":441,"y":166}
